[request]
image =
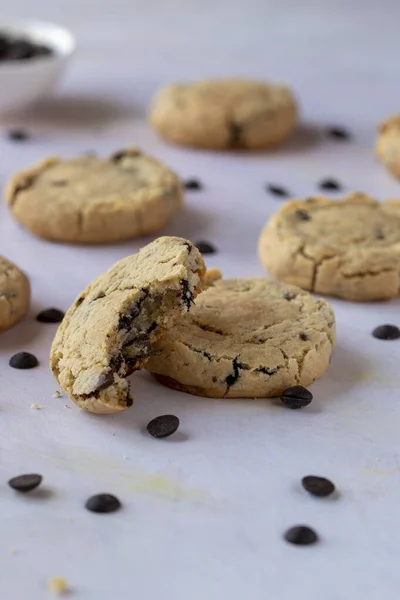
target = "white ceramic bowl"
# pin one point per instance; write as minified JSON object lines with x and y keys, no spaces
{"x":23,"y":82}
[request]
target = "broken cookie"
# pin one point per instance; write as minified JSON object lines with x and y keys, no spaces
{"x":348,"y":248}
{"x":246,"y":338}
{"x":110,"y":330}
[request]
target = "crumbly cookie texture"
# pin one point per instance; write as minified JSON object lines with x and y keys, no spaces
{"x":224,"y":114}
{"x":246,"y":338}
{"x":387,"y":144}
{"x":14,"y":294}
{"x":348,"y":248}
{"x":111,"y":328}
{"x":90,"y":200}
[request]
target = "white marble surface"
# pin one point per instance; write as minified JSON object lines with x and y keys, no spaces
{"x":204,"y":511}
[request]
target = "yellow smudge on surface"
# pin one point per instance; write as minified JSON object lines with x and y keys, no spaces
{"x":58,"y":586}
{"x":35,"y":406}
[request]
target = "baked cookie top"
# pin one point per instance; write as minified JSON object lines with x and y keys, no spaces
{"x":90,"y":200}
{"x":348,"y":248}
{"x":388,"y":144}
{"x":224,"y":114}
{"x":247,"y":338}
{"x":110,"y":329}
{"x":14,"y":294}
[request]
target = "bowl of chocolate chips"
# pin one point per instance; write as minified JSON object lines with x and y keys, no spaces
{"x":33,"y":56}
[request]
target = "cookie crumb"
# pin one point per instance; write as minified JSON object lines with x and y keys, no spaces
{"x":58,"y":586}
{"x":35,"y":406}
{"x":12,"y":550}
{"x":56,"y":394}
{"x":67,"y":406}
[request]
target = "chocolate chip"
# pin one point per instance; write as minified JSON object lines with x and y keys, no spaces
{"x":277,"y":190}
{"x":25,"y":483}
{"x":289,"y":296}
{"x":50,"y":315}
{"x":129,"y":400}
{"x":163,"y":426}
{"x":234,"y":134}
{"x":193,"y":184}
{"x":303,"y":337}
{"x":233,"y":377}
{"x":266,"y":371}
{"x":152,"y":327}
{"x":20,"y":50}
{"x":303,"y":215}
{"x":296,"y":396}
{"x":104,"y":381}
{"x":386,"y":332}
{"x":60,"y":182}
{"x":318,"y":486}
{"x":205,"y":247}
{"x":187,"y":295}
{"x":338,"y":133}
{"x":18,"y":135}
{"x":125,"y":319}
{"x":330,"y":185}
{"x":117,"y":156}
{"x":103,"y":503}
{"x":23,"y":360}
{"x":301,"y":535}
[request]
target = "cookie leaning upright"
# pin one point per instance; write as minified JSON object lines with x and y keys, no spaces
{"x":348,"y":248}
{"x":387,"y":146}
{"x":110,"y":329}
{"x":14,"y":294}
{"x":224,"y":114}
{"x":246,"y":338}
{"x":91,"y":200}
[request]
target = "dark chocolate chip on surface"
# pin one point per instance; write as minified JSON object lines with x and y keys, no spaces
{"x":163,"y":426}
{"x":318,"y":486}
{"x":338,"y":133}
{"x":50,"y":315}
{"x":303,"y":337}
{"x":301,"y":535}
{"x":296,"y":396}
{"x":187,"y":295}
{"x":25,"y":483}
{"x":23,"y":360}
{"x":103,"y":503}
{"x":386,"y":332}
{"x":205,"y":247}
{"x":193,"y":184}
{"x":303,"y":215}
{"x":277,"y":190}
{"x":329,"y":184}
{"x":233,"y":377}
{"x":18,"y":135}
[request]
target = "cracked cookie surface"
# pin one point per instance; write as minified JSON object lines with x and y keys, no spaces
{"x":110,"y":330}
{"x":90,"y":200}
{"x":348,"y":248}
{"x":387,"y":146}
{"x":14,"y":294}
{"x":247,"y":338}
{"x":224,"y":114}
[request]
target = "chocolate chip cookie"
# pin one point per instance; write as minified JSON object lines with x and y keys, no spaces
{"x":224,"y":114}
{"x":246,"y":338}
{"x":90,"y":200}
{"x":348,"y":248}
{"x":111,"y":328}
{"x":387,"y":145}
{"x":14,"y":294}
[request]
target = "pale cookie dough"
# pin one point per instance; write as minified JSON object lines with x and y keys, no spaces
{"x":387,"y":145}
{"x":224,"y":114}
{"x":111,"y":328}
{"x":348,"y":248}
{"x":90,"y":200}
{"x":14,"y":294}
{"x":246,"y":338}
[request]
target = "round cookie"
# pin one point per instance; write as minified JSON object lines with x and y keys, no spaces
{"x":348,"y":248}
{"x":110,"y":330}
{"x":90,"y":200}
{"x":14,"y":294}
{"x":246,"y":338}
{"x":224,"y":114}
{"x":387,"y":145}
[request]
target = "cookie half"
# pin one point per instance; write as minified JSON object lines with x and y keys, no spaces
{"x":14,"y":294}
{"x":348,"y":248}
{"x":111,"y":328}
{"x":387,"y":145}
{"x":246,"y":338}
{"x":90,"y":200}
{"x":224,"y":114}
